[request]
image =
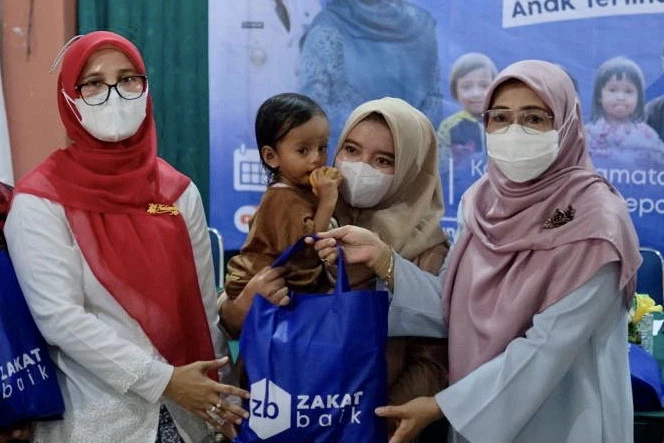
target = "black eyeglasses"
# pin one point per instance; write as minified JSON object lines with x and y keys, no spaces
{"x":531,"y":120}
{"x":96,"y":92}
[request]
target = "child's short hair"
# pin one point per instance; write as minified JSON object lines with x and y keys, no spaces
{"x":621,"y":68}
{"x":277,"y":116}
{"x":467,"y":63}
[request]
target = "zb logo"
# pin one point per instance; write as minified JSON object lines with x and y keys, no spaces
{"x":270,"y":409}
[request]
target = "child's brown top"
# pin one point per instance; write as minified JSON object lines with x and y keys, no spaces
{"x":285,"y":215}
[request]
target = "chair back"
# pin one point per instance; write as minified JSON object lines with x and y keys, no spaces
{"x":650,"y":276}
{"x":217,"y":245}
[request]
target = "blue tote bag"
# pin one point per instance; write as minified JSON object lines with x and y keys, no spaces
{"x":316,"y":368}
{"x":28,"y":381}
{"x":647,"y":389}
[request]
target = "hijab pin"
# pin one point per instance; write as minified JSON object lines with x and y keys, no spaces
{"x":560,"y":217}
{"x":62,"y":52}
{"x":160,"y":208}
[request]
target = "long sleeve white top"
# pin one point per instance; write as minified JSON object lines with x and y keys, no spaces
{"x":566,"y":381}
{"x":112,"y":377}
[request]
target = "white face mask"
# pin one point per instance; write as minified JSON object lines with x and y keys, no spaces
{"x":363,"y":186}
{"x":114,"y":120}
{"x":520,"y":156}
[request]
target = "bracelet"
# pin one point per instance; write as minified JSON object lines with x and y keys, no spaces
{"x":382,"y":272}
{"x":388,"y":275}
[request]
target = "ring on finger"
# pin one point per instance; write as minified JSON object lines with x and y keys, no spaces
{"x":213,"y":410}
{"x":218,"y":418}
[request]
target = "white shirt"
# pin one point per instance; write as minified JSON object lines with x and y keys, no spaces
{"x":566,"y":381}
{"x":112,"y":377}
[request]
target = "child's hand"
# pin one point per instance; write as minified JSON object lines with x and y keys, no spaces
{"x":270,"y":283}
{"x":325,"y":183}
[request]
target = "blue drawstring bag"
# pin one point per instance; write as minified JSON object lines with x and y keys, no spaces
{"x":647,"y":389}
{"x":28,"y":382}
{"x":316,"y":368}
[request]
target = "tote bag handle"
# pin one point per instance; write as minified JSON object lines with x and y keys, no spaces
{"x":341,"y":284}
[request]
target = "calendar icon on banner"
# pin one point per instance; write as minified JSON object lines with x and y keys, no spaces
{"x":248,"y":172}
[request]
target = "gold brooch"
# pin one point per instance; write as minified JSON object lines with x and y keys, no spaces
{"x":560,"y":217}
{"x":160,"y":208}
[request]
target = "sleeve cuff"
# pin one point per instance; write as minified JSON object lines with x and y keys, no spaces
{"x":439,"y":400}
{"x":152,"y":385}
{"x":445,"y":398}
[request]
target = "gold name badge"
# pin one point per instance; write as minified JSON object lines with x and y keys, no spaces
{"x":160,"y":208}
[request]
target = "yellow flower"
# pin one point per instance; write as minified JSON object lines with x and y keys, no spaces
{"x":643,"y":305}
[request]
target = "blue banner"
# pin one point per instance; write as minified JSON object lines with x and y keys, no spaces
{"x":440,"y":56}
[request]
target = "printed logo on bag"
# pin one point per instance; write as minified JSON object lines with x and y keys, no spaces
{"x":23,"y":371}
{"x":271,"y":409}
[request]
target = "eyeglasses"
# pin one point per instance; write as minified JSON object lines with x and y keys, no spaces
{"x":97,"y":92}
{"x":531,"y":120}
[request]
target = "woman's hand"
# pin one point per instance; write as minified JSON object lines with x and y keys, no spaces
{"x":228,"y":430}
{"x":18,"y":432}
{"x":359,"y":245}
{"x":411,"y":417}
{"x":194,"y":390}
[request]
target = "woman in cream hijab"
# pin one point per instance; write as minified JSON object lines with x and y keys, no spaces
{"x":387,"y":156}
{"x":412,"y":195}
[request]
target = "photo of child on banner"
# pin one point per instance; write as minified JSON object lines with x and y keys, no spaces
{"x":624,"y":148}
{"x":461,"y":143}
{"x":617,"y":131}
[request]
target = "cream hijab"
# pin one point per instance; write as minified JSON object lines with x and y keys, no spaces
{"x":415,"y":198}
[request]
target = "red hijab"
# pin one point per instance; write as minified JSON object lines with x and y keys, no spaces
{"x":144,"y":261}
{"x":5,"y":198}
{"x":509,"y":262}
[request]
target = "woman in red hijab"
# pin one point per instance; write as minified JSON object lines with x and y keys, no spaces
{"x":111,"y":249}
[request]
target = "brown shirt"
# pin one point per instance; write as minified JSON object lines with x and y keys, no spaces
{"x":285,"y":215}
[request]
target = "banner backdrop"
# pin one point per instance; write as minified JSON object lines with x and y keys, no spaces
{"x":440,"y":55}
